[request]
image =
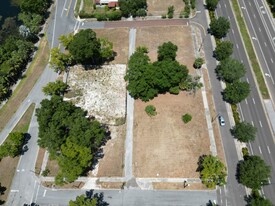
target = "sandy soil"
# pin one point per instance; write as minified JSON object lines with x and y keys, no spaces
{"x":160,"y":7}
{"x":178,"y":186}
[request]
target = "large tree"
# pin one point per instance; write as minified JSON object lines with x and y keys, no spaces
{"x":132,"y":7}
{"x":212,"y":4}
{"x":244,"y":132}
{"x":236,"y":92}
{"x":31,"y":20}
{"x":255,"y":199}
{"x":223,"y":50}
{"x":35,"y":6}
{"x":13,"y":145}
{"x":55,"y":88}
{"x":60,"y":61}
{"x":253,"y":172}
{"x":212,"y":171}
{"x":219,"y":27}
{"x":85,"y":47}
{"x":167,"y":51}
{"x":230,"y":70}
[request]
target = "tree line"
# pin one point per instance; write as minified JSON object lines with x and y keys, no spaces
{"x":17,"y":42}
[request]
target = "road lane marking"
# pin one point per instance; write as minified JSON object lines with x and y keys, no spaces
{"x":271,"y":60}
{"x":18,"y":170}
{"x":64,"y":8}
{"x":237,"y":46}
{"x":254,"y":38}
{"x":23,"y":170}
{"x":260,"y":123}
{"x":54,"y":23}
{"x":260,"y":29}
{"x":44,"y":194}
{"x":225,"y":5}
{"x":249,"y":3}
{"x":246,"y":101}
{"x":229,"y":17}
{"x":265,"y":44}
{"x":262,"y":191}
{"x":241,"y":111}
{"x":233,"y":31}
{"x":69,"y":7}
{"x":251,"y":148}
{"x":254,"y":16}
{"x":268,"y":149}
{"x":252,"y":123}
{"x":14,"y":190}
{"x":220,"y":6}
{"x":242,"y":61}
{"x":260,"y":150}
{"x":253,"y":100}
{"x":247,"y":80}
{"x":269,"y":182}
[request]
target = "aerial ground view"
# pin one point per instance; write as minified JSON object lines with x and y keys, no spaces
{"x":137,"y":102}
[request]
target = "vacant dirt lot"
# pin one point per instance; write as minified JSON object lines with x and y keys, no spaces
{"x":163,"y":145}
{"x":119,"y":37}
{"x":160,"y":7}
{"x":153,"y":37}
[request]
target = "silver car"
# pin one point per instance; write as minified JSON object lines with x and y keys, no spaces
{"x":221,"y":120}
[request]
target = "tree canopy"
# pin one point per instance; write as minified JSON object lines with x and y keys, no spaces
{"x":60,"y":61}
{"x":230,"y":70}
{"x":236,"y":92}
{"x":90,"y":199}
{"x":13,"y":145}
{"x":55,"y":88}
{"x":223,"y":50}
{"x":219,"y":27}
{"x":244,"y":132}
{"x":212,"y":171}
{"x":85,"y":47}
{"x":133,"y":7}
{"x":212,"y":4}
{"x":35,"y":6}
{"x":255,"y":199}
{"x":146,"y":80}
{"x":69,"y":137}
{"x":253,"y":172}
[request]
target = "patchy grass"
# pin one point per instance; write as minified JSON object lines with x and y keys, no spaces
{"x":77,"y":7}
{"x":250,"y":50}
{"x":23,"y":89}
{"x":88,"y":6}
{"x":39,"y":160}
{"x":160,"y":7}
{"x":8,"y":165}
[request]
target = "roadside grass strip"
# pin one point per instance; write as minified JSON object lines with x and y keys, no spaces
{"x":250,"y":50}
{"x":8,"y":164}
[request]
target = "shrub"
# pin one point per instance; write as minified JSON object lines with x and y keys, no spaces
{"x":236,"y":115}
{"x":150,"y":110}
{"x":45,"y":172}
{"x":245,"y":151}
{"x":186,"y":118}
{"x":163,"y":16}
{"x":170,"y":12}
{"x":174,"y":90}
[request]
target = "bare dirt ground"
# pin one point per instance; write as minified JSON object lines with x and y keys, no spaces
{"x":73,"y":185}
{"x":178,"y":186}
{"x":112,"y":164}
{"x":102,"y":92}
{"x":111,"y":185}
{"x":39,"y":160}
{"x":119,"y":37}
{"x":160,"y":7}
{"x":153,"y":37}
{"x":163,"y":145}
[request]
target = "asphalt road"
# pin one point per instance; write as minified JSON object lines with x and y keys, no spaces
{"x":252,"y":109}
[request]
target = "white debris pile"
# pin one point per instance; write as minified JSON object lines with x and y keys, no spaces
{"x":102,"y":92}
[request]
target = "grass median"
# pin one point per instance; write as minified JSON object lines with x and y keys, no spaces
{"x":26,"y":84}
{"x":250,"y":50}
{"x":8,"y":164}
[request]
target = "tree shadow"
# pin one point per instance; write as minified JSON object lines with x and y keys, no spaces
{"x":2,"y":191}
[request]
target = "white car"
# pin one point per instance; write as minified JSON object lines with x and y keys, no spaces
{"x":221,"y":120}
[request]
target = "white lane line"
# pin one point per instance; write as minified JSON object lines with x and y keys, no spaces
{"x":262,"y":190}
{"x":233,"y":31}
{"x":237,"y":46}
{"x":260,"y":123}
{"x":37,"y":193}
{"x":64,"y":8}
{"x":252,"y":123}
{"x":265,"y":44}
{"x":269,"y":182}
{"x":268,"y":149}
{"x":14,"y":190}
{"x":254,"y":16}
{"x":260,"y":150}
{"x":225,"y":5}
{"x":44,"y":194}
{"x":220,"y":6}
{"x":251,"y":148}
{"x":249,"y":3}
{"x":271,"y":60}
{"x":247,"y":80}
{"x":246,"y":101}
{"x":242,"y":61}
{"x":241,"y":111}
{"x":260,"y":29}
{"x":54,"y":23}
{"x":253,"y":100}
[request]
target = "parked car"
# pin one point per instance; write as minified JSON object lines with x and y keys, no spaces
{"x":221,"y":120}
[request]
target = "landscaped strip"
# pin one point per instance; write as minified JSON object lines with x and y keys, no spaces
{"x":8,"y":164}
{"x":250,"y":51}
{"x":26,"y":84}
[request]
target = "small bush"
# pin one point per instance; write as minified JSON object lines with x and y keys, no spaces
{"x":170,"y":12}
{"x":245,"y":151}
{"x":150,"y":110}
{"x":235,"y":112}
{"x":174,"y":90}
{"x":163,"y":16}
{"x":45,"y":172}
{"x":186,"y":118}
